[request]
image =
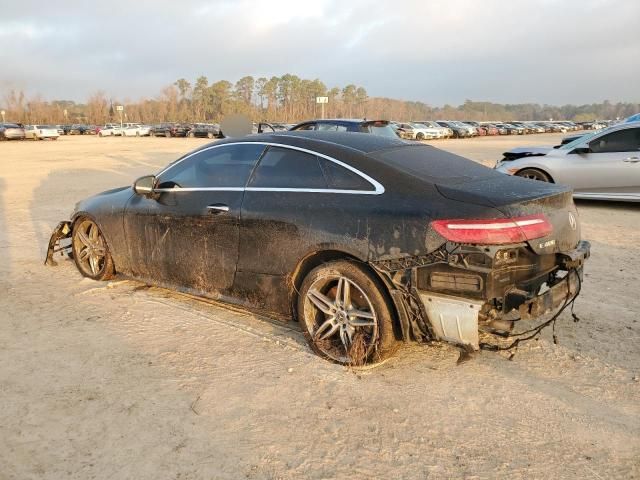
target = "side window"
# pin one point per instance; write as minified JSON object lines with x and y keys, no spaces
{"x":287,"y":168}
{"x":225,"y":166}
{"x":622,"y":141}
{"x":308,"y":126}
{"x":330,"y":127}
{"x":340,"y":178}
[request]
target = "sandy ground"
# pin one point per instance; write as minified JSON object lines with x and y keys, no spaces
{"x":117,"y":380}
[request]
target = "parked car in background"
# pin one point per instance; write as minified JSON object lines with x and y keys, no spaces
{"x":77,"y":129}
{"x":601,"y":165}
{"x":526,"y":129}
{"x":206,"y":130}
{"x":135,"y":130}
{"x":41,"y":132}
{"x":11,"y":131}
{"x":170,"y":130}
{"x":458,"y":131}
{"x":479,"y":129}
{"x":491,"y":129}
{"x":446,"y":132}
{"x":110,"y":131}
{"x":417,"y":131}
{"x":511,"y":129}
{"x":495,"y":129}
{"x":376,"y":127}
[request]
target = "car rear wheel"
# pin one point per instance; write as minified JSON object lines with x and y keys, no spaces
{"x":534,"y":174}
{"x":420,"y":136}
{"x":345,"y":315}
{"x":90,"y":251}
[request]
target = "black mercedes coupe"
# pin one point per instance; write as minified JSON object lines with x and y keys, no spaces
{"x":365,"y":240}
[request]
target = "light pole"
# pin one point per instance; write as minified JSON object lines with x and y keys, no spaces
{"x":120,"y":108}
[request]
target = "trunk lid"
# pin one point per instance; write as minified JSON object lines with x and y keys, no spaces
{"x":519,"y":197}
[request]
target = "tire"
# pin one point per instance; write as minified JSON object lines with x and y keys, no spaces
{"x":420,"y":136}
{"x":327,"y":324}
{"x":534,"y":174}
{"x":90,"y":251}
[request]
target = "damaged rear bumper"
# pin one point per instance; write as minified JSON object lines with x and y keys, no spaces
{"x":457,"y":292}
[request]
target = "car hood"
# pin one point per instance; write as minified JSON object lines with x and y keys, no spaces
{"x":520,"y":152}
{"x":110,"y":199}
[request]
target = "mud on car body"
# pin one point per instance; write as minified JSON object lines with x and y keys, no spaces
{"x":366,"y":240}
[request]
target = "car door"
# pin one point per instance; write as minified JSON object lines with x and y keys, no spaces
{"x":186,"y":235}
{"x":295,"y":202}
{"x":612,"y":165}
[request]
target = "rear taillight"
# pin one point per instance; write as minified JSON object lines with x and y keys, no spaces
{"x":494,"y":231}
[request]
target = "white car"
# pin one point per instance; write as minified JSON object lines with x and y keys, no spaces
{"x":601,"y":165}
{"x":417,"y":131}
{"x":444,"y":131}
{"x":110,"y":131}
{"x":40,"y":132}
{"x":136,"y":131}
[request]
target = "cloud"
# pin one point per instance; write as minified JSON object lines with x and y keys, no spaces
{"x":544,"y":51}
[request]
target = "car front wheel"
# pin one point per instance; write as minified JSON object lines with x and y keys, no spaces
{"x":533,"y":174}
{"x":344,"y":314}
{"x":90,"y":250}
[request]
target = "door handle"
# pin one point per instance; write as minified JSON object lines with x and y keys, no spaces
{"x":632,"y":160}
{"x":217,"y":208}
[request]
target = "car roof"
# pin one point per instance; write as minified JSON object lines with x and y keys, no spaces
{"x":361,"y":142}
{"x":341,"y":121}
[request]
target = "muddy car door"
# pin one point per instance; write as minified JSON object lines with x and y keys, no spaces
{"x":186,"y":233}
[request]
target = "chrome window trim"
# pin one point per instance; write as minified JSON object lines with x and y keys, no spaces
{"x":378,"y":187}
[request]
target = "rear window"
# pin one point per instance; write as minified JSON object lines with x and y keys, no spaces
{"x":433,"y":165}
{"x":382,"y":129}
{"x":340,"y":178}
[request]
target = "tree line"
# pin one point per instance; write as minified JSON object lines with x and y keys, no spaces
{"x":281,"y":99}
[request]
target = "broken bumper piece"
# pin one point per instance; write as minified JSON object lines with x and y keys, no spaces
{"x":60,"y":233}
{"x":456,"y":320}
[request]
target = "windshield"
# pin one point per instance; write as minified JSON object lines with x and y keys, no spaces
{"x":586,"y":138}
{"x":418,"y":125}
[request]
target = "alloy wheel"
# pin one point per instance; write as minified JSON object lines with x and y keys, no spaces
{"x":340,"y":319}
{"x":89,"y":248}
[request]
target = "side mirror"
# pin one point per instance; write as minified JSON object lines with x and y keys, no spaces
{"x":145,"y":185}
{"x":582,"y":148}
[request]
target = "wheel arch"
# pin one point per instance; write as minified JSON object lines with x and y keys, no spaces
{"x":539,"y":169}
{"x":84,"y":214}
{"x":330,"y":254}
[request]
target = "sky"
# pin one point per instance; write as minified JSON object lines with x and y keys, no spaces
{"x":438,"y":52}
